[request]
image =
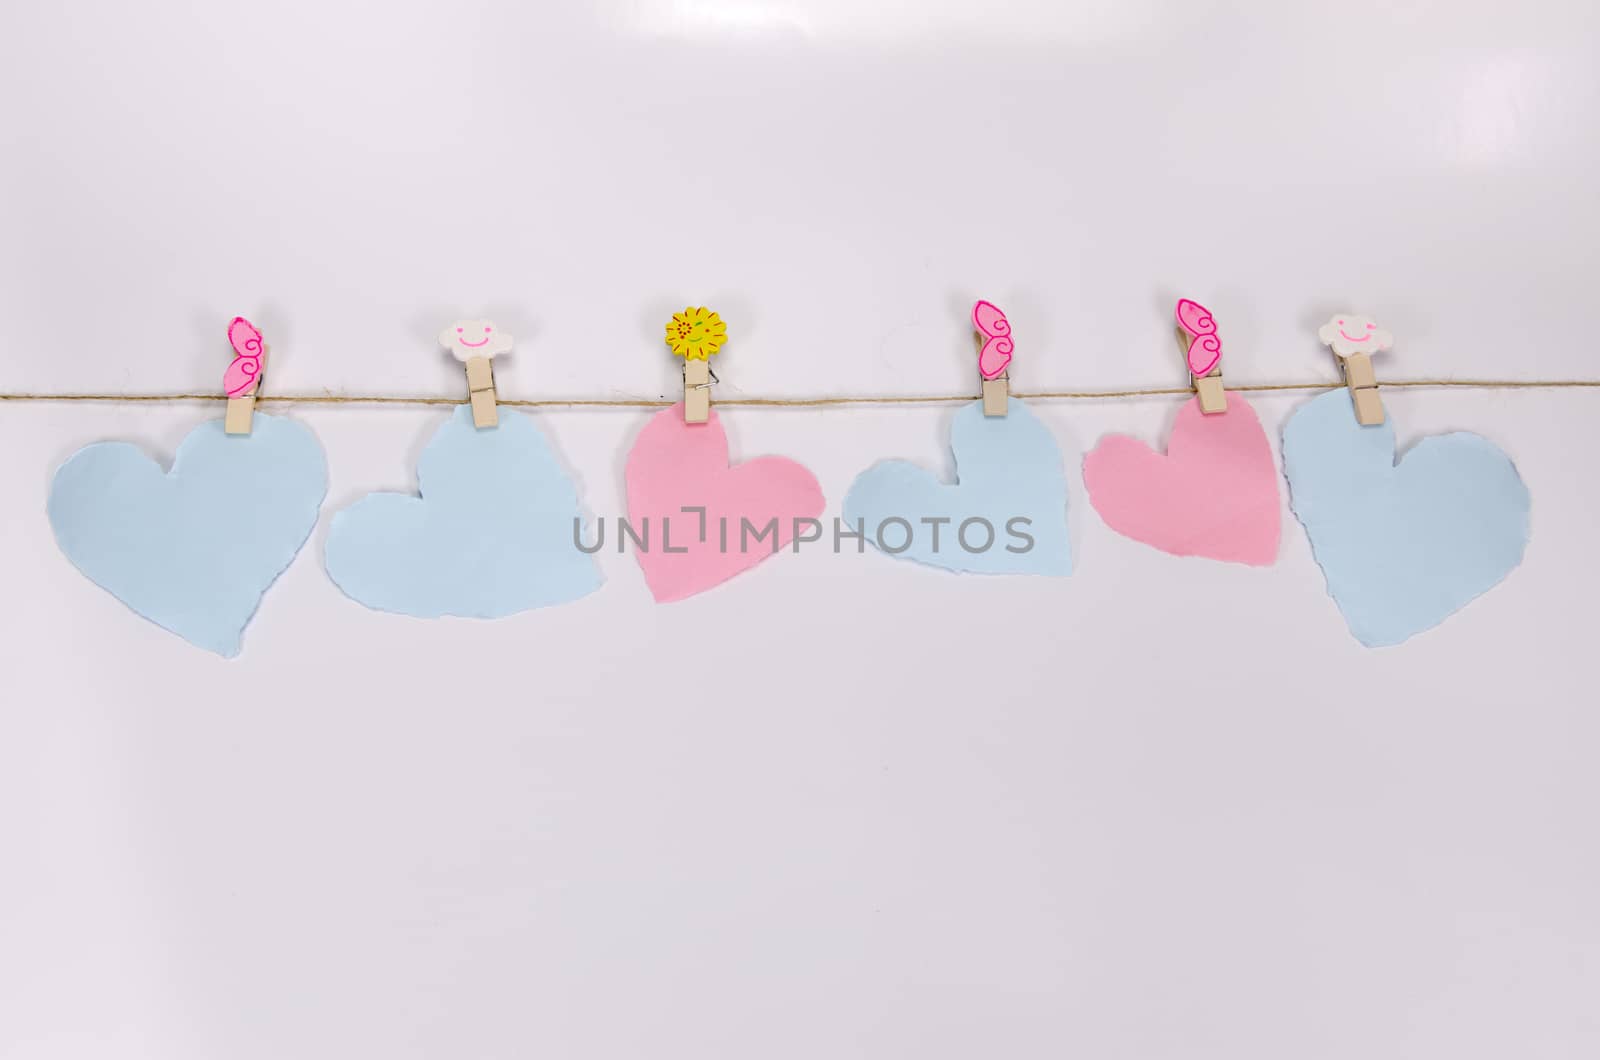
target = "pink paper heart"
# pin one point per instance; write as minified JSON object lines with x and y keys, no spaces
{"x":674,"y":465}
{"x":1214,"y":493}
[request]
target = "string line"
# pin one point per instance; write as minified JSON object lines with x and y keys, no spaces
{"x":805,"y":402}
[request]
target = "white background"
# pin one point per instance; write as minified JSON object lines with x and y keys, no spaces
{"x":1178,"y":812}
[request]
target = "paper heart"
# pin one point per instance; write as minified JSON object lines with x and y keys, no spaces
{"x":1005,"y":514}
{"x":1214,"y":493}
{"x":195,"y":548}
{"x":492,"y":533}
{"x":1403,"y":545}
{"x":674,"y":465}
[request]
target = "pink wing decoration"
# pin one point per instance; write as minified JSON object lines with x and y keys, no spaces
{"x":1205,"y":347}
{"x":245,"y":338}
{"x":994,"y":327}
{"x":241,"y":374}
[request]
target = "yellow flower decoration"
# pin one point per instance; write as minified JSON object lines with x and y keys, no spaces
{"x":695,"y":334}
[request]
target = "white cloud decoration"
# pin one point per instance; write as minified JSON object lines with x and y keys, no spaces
{"x":474,"y":338}
{"x":1350,"y":333}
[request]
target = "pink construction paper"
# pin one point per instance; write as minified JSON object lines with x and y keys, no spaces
{"x":675,"y":465}
{"x":1214,"y":493}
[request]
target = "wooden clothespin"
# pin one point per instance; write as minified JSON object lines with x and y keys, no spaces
{"x":1354,"y":339}
{"x":242,"y":380}
{"x":696,"y":334}
{"x":476,"y":343}
{"x":995,"y":347}
{"x":1202,"y":348}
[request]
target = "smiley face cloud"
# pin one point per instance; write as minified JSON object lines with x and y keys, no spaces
{"x":474,"y":338}
{"x":1350,"y":333}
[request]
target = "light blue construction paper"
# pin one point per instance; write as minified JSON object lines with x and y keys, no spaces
{"x":1006,"y":467}
{"x":192,"y":549}
{"x":1403,"y":546}
{"x":491,"y":534}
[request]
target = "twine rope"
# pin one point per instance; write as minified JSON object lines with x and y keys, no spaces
{"x":805,"y":402}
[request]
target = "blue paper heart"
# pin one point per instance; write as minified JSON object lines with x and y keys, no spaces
{"x":1403,"y":545}
{"x":1009,"y":476}
{"x":491,"y":535}
{"x":193,"y":549}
